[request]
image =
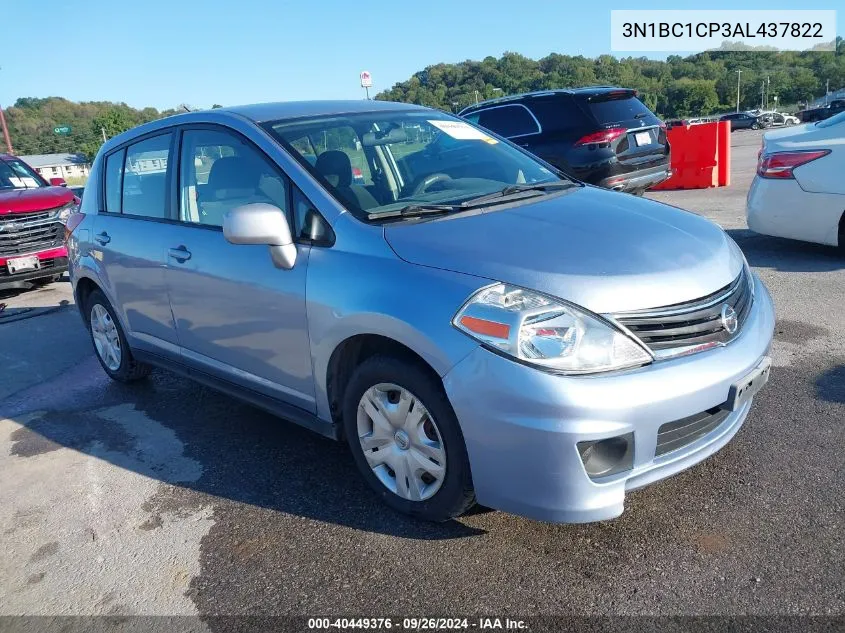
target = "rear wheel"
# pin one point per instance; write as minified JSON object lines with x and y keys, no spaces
{"x":110,"y":342}
{"x":406,"y":440}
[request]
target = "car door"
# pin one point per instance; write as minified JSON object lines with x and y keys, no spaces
{"x":239,"y":318}
{"x":131,"y":235}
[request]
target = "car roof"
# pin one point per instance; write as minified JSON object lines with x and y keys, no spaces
{"x":262,"y":112}
{"x":586,"y":90}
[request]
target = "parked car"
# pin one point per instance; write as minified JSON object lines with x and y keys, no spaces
{"x":601,"y":135}
{"x":778,"y":119}
{"x":799,"y":191}
{"x":480,"y":329}
{"x":33,"y":213}
{"x":743,"y":121}
{"x":811,"y":115}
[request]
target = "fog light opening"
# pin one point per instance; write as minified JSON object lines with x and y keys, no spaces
{"x":608,"y":456}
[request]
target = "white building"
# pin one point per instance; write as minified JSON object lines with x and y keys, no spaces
{"x":58,"y":165}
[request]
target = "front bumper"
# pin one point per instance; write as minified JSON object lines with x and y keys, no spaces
{"x":52,"y":261}
{"x":522,"y":425}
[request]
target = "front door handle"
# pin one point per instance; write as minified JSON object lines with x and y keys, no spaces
{"x":102,"y":238}
{"x":180,"y":254}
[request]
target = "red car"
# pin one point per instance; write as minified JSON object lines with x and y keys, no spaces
{"x":33,"y":214}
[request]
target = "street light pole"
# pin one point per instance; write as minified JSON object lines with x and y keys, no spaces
{"x":738,"y":75}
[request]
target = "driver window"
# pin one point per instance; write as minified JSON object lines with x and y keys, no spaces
{"x":219,"y":172}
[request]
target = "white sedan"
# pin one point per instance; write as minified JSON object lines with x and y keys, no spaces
{"x":799,"y":189}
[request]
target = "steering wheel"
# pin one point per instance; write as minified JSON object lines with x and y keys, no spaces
{"x":426,"y":182}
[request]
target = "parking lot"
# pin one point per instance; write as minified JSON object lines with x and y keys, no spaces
{"x":169,"y":498}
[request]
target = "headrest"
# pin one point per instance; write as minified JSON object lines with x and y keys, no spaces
{"x":336,"y":167}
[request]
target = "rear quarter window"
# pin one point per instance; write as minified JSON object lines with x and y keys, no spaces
{"x":508,"y":120}
{"x":114,"y":180}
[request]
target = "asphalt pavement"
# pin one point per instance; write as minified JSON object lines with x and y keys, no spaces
{"x":168,"y":498}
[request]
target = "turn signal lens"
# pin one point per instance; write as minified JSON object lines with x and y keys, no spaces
{"x":486,"y":328}
{"x":782,"y":164}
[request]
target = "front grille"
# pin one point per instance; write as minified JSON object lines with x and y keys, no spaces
{"x":685,"y":326}
{"x":20,"y":235}
{"x":674,"y":435}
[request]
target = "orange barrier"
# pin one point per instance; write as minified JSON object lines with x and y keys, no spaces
{"x":724,"y":158}
{"x":700,"y":156}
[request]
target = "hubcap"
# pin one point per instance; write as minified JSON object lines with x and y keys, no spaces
{"x":401,"y":442}
{"x":106,"y":339}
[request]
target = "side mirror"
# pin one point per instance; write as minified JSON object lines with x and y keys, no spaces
{"x":261,"y":223}
{"x":58,"y":182}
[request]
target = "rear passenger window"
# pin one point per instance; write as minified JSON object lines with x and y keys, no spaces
{"x":509,"y":120}
{"x":114,"y":180}
{"x":145,"y":177}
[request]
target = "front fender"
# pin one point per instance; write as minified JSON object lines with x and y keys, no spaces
{"x":359,"y":286}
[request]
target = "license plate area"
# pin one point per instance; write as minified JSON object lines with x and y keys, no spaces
{"x":20,"y":264}
{"x":642,"y":138}
{"x":745,"y":388}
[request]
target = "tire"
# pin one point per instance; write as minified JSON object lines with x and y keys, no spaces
{"x":755,"y":126}
{"x":454,"y":492}
{"x":128,"y":369}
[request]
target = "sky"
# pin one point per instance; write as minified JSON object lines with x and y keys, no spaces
{"x":162,"y":53}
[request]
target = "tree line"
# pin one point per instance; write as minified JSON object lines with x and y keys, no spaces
{"x":696,"y":85}
{"x":700,"y":84}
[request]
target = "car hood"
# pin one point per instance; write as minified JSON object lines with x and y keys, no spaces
{"x":30,"y":200}
{"x":606,"y":251}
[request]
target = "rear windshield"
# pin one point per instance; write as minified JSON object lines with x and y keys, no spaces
{"x":624,"y":109}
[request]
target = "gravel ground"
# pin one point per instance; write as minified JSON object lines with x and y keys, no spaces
{"x":168,"y":498}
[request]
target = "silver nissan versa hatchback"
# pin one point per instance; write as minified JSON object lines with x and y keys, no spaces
{"x":475,"y":324}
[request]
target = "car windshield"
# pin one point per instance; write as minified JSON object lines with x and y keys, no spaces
{"x":834,"y":120}
{"x":376,"y":163}
{"x":15,"y":174}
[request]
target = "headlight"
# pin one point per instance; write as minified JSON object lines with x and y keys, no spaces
{"x":63,"y":213}
{"x":546,"y":332}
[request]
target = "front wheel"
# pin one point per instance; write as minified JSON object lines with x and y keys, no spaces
{"x":406,"y":441}
{"x":110,"y":342}
{"x":755,"y":126}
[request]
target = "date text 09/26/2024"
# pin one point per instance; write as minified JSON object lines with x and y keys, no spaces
{"x":418,"y":624}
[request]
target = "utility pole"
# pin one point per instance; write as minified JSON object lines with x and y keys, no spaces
{"x":738,"y":75}
{"x":476,"y":97}
{"x":768,"y":91}
{"x":5,"y":132}
{"x":827,"y":92}
{"x":103,"y":130}
{"x":762,"y":93}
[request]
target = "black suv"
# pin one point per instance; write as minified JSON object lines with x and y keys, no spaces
{"x":601,"y":135}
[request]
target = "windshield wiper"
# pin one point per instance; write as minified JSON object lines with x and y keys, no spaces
{"x":512,"y":190}
{"x":413,"y":210}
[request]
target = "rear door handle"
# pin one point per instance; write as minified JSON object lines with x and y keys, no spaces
{"x":180,"y":254}
{"x":103,"y":238}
